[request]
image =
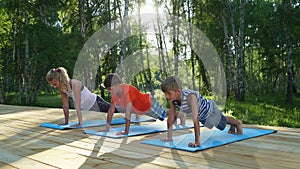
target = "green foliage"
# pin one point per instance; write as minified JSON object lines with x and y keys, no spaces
{"x":48,"y":100}
{"x":43,"y":100}
{"x":50,"y":31}
{"x":266,"y":110}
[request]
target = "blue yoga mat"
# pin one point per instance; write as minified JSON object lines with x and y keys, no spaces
{"x":93,"y":123}
{"x":138,"y":130}
{"x":209,"y":139}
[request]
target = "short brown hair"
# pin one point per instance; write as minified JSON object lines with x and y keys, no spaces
{"x":111,"y":80}
{"x":171,"y":83}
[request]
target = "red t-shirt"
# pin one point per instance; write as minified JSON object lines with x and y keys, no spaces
{"x":141,"y":102}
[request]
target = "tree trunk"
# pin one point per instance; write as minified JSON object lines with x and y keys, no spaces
{"x":231,"y":78}
{"x":175,"y":26}
{"x":241,"y":58}
{"x":1,"y":94}
{"x":124,"y":35}
{"x":289,"y":92}
{"x":27,"y":77}
{"x":149,"y":72}
{"x":159,"y":37}
{"x":238,"y":43}
{"x":147,"y":81}
{"x":190,"y":10}
{"x":82,"y":18}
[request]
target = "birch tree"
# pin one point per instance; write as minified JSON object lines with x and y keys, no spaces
{"x":289,"y":59}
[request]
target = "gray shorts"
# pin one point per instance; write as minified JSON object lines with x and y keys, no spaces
{"x":215,"y":118}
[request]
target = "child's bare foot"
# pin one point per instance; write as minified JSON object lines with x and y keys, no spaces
{"x":239,"y":127}
{"x":231,"y":129}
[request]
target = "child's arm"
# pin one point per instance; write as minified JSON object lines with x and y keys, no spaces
{"x":192,"y":101}
{"x":110,"y":114}
{"x":170,"y":122}
{"x":76,"y":87}
{"x":127,"y":118}
{"x":65,"y":104}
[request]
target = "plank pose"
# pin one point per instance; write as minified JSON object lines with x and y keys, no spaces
{"x":202,"y":110}
{"x":82,"y":97}
{"x":132,"y":100}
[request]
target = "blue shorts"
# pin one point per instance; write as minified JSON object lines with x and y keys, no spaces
{"x":222,"y":123}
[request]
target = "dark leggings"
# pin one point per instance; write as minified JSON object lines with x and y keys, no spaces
{"x":103,"y":105}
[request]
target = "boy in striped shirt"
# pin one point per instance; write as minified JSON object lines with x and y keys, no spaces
{"x":203,"y":110}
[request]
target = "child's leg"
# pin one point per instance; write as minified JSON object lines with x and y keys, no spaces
{"x":156,"y":110}
{"x":236,"y":123}
{"x":231,"y":129}
{"x":137,"y":117}
{"x":175,"y":116}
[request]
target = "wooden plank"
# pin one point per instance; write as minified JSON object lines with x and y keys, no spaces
{"x":18,"y":161}
{"x":6,"y":166}
{"x":63,"y":149}
{"x":152,"y":152}
{"x":23,"y":139}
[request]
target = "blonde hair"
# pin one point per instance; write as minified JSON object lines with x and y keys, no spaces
{"x":60,"y":74}
{"x":171,"y":83}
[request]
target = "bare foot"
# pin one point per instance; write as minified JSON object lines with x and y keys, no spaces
{"x":231,"y":129}
{"x":239,"y":127}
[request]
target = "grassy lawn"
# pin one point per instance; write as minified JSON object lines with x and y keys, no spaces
{"x":48,"y":100}
{"x":262,"y":110}
{"x":266,"y":110}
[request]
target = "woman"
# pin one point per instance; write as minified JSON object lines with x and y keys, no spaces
{"x":82,"y":97}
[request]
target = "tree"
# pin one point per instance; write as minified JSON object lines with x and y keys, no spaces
{"x":289,"y":60}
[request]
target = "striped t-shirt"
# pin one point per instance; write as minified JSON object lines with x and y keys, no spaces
{"x":203,"y":104}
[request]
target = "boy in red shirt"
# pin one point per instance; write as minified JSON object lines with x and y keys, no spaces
{"x":132,"y":100}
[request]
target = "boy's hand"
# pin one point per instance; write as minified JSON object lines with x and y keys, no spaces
{"x":122,"y":133}
{"x":194,"y":144}
{"x":106,"y":129}
{"x":166,"y":139}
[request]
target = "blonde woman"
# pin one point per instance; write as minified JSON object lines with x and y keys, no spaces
{"x":83,"y":98}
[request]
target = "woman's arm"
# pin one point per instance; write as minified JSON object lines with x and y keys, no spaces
{"x":65,"y":104}
{"x":76,"y":86}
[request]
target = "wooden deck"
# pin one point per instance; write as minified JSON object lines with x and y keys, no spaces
{"x":26,"y":145}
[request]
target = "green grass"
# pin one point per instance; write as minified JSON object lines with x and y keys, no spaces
{"x":48,"y":100}
{"x":266,"y":110}
{"x":43,"y":100}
